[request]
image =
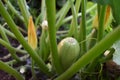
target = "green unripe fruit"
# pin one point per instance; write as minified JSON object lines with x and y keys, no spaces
{"x":68,"y":51}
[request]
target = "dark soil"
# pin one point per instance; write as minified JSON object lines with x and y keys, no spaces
{"x":6,"y":76}
{"x":110,"y":69}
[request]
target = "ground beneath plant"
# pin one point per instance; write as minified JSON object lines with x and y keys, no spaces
{"x":110,"y":67}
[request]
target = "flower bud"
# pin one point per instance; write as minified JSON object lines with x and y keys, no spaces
{"x":44,"y":25}
{"x":32,"y":37}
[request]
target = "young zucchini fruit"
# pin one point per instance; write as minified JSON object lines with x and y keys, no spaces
{"x":68,"y":51}
{"x":44,"y":42}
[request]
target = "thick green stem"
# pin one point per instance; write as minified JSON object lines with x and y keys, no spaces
{"x":101,"y":23}
{"x":82,"y":35}
{"x":91,"y":54}
{"x":13,"y":10}
{"x":9,"y":33}
{"x":3,"y":34}
{"x":79,"y":14}
{"x":42,"y":15}
{"x":77,"y":5}
{"x":21,"y":39}
{"x":24,"y":10}
{"x":98,"y":10}
{"x":50,"y":5}
{"x":73,"y":25}
{"x":58,"y":14}
{"x":10,"y":70}
{"x":99,"y":35}
{"x":63,"y":14}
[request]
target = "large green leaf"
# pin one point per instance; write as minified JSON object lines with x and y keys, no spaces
{"x":102,"y":2}
{"x":115,"y":5}
{"x":116,"y":55}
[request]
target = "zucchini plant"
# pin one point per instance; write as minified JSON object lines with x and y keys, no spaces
{"x":61,"y":41}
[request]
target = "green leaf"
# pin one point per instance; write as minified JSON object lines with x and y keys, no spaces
{"x":116,"y":55}
{"x":115,"y":5}
{"x":102,"y":2}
